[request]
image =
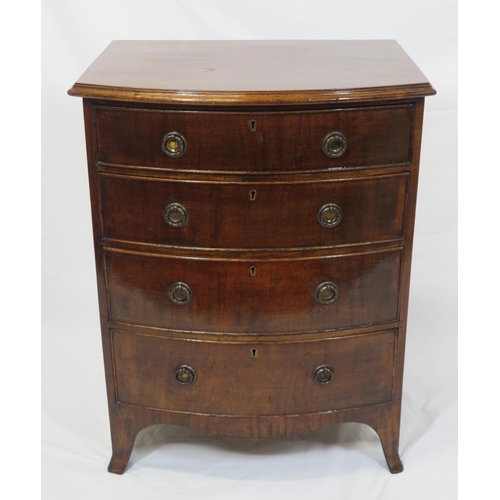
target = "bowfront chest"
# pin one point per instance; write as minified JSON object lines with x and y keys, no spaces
{"x":253,"y":207}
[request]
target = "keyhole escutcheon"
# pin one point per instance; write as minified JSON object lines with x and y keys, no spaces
{"x":253,"y":195}
{"x":254,"y":352}
{"x":253,"y":125}
{"x":253,"y":270}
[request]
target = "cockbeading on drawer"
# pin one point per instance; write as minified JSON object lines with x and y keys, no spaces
{"x":253,"y":296}
{"x":245,"y":215}
{"x":265,"y":142}
{"x":253,"y":377}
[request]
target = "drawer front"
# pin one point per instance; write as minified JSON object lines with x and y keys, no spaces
{"x":253,"y":297}
{"x":253,"y":142}
{"x":253,"y":215}
{"x":253,"y":378}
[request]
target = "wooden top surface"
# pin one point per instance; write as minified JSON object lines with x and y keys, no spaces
{"x":252,"y":72}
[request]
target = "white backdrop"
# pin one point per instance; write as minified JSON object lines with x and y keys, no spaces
{"x":343,"y":462}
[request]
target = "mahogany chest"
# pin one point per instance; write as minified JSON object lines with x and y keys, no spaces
{"x":253,"y":208}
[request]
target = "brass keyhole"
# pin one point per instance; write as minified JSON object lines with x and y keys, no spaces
{"x":254,"y":353}
{"x":253,"y":195}
{"x":253,"y":270}
{"x":253,"y":125}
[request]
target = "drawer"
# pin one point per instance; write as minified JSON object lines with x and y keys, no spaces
{"x":253,"y":142}
{"x":228,"y":378}
{"x":253,"y":215}
{"x":285,"y":295}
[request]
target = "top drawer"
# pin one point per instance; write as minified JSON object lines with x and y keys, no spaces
{"x":253,"y":142}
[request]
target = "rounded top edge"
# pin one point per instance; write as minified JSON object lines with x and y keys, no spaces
{"x":246,"y":98}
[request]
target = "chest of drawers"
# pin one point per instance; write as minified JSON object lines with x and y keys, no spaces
{"x":253,"y":209}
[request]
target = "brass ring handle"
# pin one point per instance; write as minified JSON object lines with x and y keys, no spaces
{"x":185,"y":374}
{"x":327,"y":292}
{"x":175,"y":215}
{"x":174,"y":144}
{"x":330,"y":215}
{"x":323,"y":374}
{"x":334,"y":144}
{"x":180,"y":293}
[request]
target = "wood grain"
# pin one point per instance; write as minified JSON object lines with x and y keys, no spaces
{"x":280,"y":297}
{"x":230,"y":381}
{"x":252,"y":72}
{"x":295,"y":92}
{"x":281,"y":142}
{"x":280,"y":216}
